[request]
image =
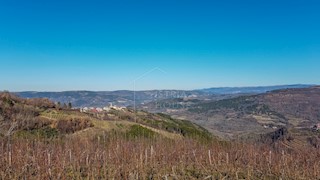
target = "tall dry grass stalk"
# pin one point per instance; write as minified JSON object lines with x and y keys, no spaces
{"x":119,"y":158}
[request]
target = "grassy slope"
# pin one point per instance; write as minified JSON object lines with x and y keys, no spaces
{"x":125,"y":122}
{"x":41,"y":118}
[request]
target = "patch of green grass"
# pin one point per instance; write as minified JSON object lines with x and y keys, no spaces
{"x":191,"y":130}
{"x":137,"y":131}
{"x":44,"y":133}
{"x":164,"y":115}
{"x":185,"y":128}
{"x":119,"y":125}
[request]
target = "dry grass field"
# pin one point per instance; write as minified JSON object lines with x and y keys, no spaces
{"x":117,"y":157}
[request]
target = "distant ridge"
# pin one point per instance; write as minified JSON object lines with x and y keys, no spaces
{"x":253,"y":89}
{"x":84,"y":98}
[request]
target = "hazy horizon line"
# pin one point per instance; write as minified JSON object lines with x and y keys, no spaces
{"x":197,"y":89}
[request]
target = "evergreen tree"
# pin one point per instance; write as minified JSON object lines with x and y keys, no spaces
{"x":58,"y":105}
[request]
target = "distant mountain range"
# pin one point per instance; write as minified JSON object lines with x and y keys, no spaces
{"x":104,"y":98}
{"x":258,"y":89}
{"x":129,"y":98}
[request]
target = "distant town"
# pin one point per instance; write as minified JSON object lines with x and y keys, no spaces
{"x":100,"y":110}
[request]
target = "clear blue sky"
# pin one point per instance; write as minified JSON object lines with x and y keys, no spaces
{"x":55,"y":45}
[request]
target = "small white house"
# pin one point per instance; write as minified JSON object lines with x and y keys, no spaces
{"x":99,"y":109}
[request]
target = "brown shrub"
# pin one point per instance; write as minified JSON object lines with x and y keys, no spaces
{"x":314,"y":141}
{"x":72,"y":125}
{"x":40,"y":102}
{"x":31,"y":123}
{"x":9,"y":98}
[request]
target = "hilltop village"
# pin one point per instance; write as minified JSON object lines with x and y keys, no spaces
{"x":100,"y":110}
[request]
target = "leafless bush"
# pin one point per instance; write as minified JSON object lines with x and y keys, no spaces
{"x":72,"y":125}
{"x":40,"y":102}
{"x":115,"y":157}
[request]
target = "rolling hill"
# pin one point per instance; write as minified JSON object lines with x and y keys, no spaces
{"x":128,"y":98}
{"x":41,"y":117}
{"x":246,"y":115}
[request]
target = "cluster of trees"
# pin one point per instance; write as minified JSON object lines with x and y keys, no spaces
{"x":64,"y":105}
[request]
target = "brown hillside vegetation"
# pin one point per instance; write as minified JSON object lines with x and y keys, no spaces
{"x":41,"y":141}
{"x":114,"y":157}
{"x":303,"y":104}
{"x":26,"y":115}
{"x":29,"y":117}
{"x":257,"y":114}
